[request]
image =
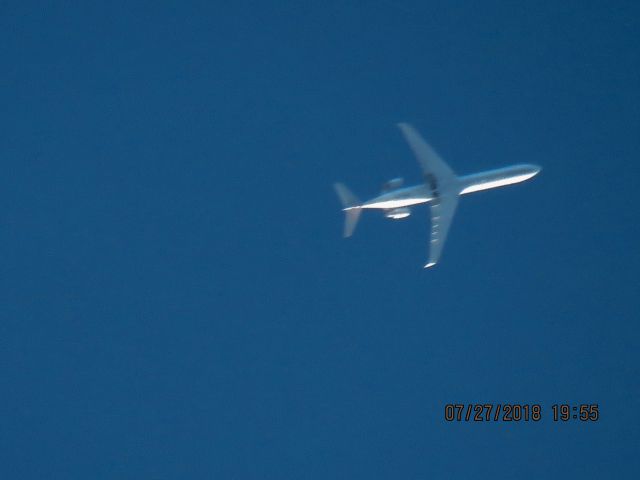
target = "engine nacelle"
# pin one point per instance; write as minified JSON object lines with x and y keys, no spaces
{"x":397,"y":213}
{"x":393,"y":184}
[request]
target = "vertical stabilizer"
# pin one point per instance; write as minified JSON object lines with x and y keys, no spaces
{"x":351,"y":208}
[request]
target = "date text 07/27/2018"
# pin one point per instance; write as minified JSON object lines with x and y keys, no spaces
{"x":515,"y":412}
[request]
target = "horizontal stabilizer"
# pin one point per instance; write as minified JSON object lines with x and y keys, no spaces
{"x":351,"y":208}
{"x":347,"y":198}
{"x":351,"y":220}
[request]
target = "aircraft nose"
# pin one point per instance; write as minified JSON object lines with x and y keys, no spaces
{"x":534,"y":169}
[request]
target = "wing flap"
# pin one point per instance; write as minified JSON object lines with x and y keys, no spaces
{"x":442,"y":212}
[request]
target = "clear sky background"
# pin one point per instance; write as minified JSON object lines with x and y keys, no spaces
{"x":176,"y":298}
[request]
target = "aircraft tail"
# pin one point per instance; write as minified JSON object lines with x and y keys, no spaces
{"x":351,"y":208}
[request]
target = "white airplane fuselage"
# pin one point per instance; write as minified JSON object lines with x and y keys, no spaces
{"x":441,"y":189}
{"x":423,"y":193}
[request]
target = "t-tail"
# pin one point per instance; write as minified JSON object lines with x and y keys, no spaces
{"x":351,"y":208}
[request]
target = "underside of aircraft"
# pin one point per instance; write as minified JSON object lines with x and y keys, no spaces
{"x":441,"y":188}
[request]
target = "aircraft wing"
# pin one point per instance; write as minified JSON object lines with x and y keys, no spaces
{"x":429,"y":160}
{"x":442,"y":182}
{"x":442,"y":211}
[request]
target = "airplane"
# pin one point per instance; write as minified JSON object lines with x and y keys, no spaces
{"x":441,"y":189}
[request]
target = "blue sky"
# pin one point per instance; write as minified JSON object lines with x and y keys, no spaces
{"x":177,"y":300}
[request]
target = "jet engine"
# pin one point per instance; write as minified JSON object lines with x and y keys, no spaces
{"x":392,"y":184}
{"x":397,"y":213}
